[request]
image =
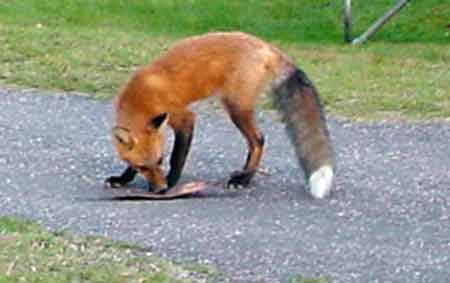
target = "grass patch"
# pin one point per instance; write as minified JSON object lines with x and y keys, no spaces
{"x":31,"y":254}
{"x":301,"y":279}
{"x":93,"y":46}
{"x":306,"y":20}
{"x":382,"y":80}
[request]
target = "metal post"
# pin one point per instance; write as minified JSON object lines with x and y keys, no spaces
{"x":380,"y":22}
{"x":348,"y":21}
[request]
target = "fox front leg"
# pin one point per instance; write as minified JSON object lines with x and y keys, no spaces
{"x":178,"y":157}
{"x":183,"y":125}
{"x":119,"y":181}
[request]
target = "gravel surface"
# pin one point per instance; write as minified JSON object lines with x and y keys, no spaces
{"x":387,"y":220}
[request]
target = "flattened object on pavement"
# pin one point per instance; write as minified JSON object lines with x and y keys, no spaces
{"x":179,"y":191}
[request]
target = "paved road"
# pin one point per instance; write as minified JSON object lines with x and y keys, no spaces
{"x":387,"y":221}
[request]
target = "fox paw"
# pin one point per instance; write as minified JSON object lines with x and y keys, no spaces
{"x":240,"y":179}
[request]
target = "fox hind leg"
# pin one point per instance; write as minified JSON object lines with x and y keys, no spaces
{"x":245,"y":122}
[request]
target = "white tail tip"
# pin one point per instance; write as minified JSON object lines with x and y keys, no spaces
{"x":320,"y":182}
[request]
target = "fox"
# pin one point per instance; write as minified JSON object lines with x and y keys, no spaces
{"x":238,"y":68}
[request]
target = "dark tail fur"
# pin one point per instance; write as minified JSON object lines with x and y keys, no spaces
{"x":298,"y":101}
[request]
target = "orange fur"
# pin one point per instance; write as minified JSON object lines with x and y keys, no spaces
{"x":234,"y":66}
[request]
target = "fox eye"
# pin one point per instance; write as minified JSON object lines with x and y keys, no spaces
{"x":129,"y":146}
{"x":122,"y":140}
{"x":119,"y":139}
{"x":122,"y":136}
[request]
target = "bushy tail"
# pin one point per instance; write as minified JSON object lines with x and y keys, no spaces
{"x":298,"y":101}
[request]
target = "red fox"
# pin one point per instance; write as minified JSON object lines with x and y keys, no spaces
{"x":237,"y":68}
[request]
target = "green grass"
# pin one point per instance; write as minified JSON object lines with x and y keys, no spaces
{"x":30,"y":254}
{"x":306,"y":20}
{"x":301,"y":279}
{"x":92,"y":46}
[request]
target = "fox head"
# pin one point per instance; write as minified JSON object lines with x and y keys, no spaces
{"x":143,"y":147}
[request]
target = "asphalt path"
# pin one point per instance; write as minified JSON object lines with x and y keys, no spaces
{"x":386,"y":221}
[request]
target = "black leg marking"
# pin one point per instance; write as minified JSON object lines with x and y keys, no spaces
{"x":126,"y":177}
{"x":178,"y":158}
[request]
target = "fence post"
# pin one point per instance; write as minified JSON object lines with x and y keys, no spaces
{"x":348,"y":21}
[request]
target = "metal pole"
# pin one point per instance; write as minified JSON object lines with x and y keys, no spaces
{"x":348,"y":21}
{"x":380,"y":22}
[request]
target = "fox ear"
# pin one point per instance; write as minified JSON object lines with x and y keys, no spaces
{"x":159,"y":121}
{"x":122,"y":136}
